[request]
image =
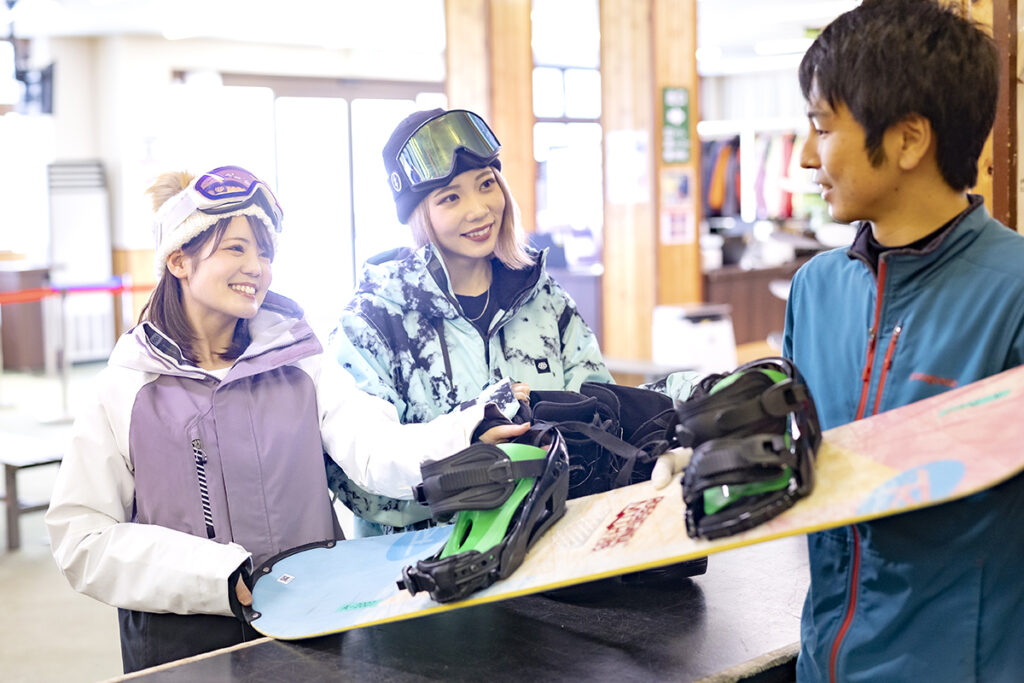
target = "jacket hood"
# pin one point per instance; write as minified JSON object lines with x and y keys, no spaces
{"x":278,"y":325}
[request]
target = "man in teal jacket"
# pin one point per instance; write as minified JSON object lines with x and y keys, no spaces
{"x":901,"y":95}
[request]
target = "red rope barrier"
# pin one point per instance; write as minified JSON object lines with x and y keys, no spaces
{"x":23,"y":296}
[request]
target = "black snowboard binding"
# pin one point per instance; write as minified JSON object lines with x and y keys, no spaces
{"x":754,"y":433}
{"x":503,"y":497}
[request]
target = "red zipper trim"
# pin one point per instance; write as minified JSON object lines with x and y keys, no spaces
{"x":886,"y":365}
{"x":849,"y":607}
{"x":869,"y":362}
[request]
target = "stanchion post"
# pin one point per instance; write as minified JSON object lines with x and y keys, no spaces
{"x":64,"y":362}
{"x":3,"y":403}
{"x":127,"y":303}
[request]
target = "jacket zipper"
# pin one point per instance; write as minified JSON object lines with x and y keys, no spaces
{"x":833,"y":657}
{"x":872,"y":339}
{"x":886,"y":364}
{"x":204,"y":490}
{"x":865,"y":389}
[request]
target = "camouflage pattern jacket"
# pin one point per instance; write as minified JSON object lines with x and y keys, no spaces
{"x":405,"y":338}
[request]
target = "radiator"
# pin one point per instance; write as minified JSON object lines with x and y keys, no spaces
{"x":80,"y":254}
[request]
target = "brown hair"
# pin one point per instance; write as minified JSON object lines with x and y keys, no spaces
{"x":510,"y":248}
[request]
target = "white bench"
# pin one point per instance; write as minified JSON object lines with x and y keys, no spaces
{"x":18,"y":453}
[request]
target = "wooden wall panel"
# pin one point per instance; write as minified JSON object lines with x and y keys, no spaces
{"x":1001,"y":16}
{"x":981,"y":11}
{"x":630,"y":263}
{"x":1018,"y":95}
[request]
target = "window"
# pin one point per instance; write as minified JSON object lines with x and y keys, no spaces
{"x":567,"y":132}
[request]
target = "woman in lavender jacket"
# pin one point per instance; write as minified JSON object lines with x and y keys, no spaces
{"x":201,"y":454}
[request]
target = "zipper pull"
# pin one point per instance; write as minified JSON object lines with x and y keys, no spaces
{"x":197,"y":451}
{"x":892,"y":345}
{"x":866,"y":374}
{"x":204,"y":491}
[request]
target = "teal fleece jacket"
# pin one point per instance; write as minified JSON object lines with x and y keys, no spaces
{"x":935,"y":594}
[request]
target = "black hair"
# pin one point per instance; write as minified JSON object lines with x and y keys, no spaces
{"x":166,"y":310}
{"x":889,"y":59}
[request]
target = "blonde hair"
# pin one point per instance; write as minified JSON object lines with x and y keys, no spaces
{"x":510,"y":248}
{"x":168,"y":185}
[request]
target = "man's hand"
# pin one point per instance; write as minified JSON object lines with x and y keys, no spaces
{"x":669,"y":464}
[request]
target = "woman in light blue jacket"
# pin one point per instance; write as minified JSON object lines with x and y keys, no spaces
{"x":427,"y":328}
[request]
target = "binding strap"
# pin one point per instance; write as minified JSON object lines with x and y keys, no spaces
{"x":480,"y":477}
{"x":744,"y":403}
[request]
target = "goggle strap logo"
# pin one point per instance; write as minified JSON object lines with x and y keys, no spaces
{"x":396,"y":181}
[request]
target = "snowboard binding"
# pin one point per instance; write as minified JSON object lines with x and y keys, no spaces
{"x":754,"y":434}
{"x":504,"y":497}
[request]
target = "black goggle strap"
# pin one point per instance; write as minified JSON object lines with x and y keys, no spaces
{"x":480,"y":477}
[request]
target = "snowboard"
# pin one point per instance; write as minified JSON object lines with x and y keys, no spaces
{"x":936,"y":450}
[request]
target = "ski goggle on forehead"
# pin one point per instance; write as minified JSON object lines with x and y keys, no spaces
{"x":222,"y":190}
{"x":428,"y":157}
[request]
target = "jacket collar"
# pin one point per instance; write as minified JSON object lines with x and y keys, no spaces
{"x":973,"y":216}
{"x":279,"y":334}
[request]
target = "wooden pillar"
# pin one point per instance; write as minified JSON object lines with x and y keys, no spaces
{"x":490,"y":71}
{"x":982,"y":13}
{"x":629,"y":286}
{"x":1001,"y":15}
{"x":649,"y":109}
{"x":467,"y":56}
{"x":677,"y":151}
{"x":512,"y":100}
{"x":997,"y":166}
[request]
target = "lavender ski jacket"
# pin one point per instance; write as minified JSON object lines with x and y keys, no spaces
{"x":173,"y":478}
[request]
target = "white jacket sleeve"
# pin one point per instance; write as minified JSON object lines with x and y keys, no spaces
{"x":105,"y":555}
{"x":363,"y":434}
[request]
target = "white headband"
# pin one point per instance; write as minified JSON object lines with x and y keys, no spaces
{"x":177,"y":222}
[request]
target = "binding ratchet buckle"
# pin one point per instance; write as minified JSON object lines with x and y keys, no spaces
{"x":504,"y":497}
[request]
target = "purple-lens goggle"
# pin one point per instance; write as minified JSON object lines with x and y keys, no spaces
{"x":222,"y":190}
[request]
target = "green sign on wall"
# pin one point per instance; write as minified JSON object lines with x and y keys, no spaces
{"x":675,"y":126}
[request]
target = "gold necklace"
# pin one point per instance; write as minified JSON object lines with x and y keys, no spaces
{"x":482,"y":310}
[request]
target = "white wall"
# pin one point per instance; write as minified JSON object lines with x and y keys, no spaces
{"x":111,"y":98}
{"x":762,"y":95}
